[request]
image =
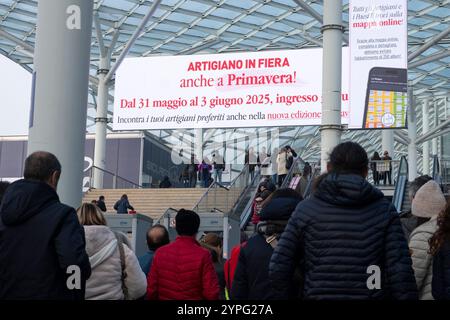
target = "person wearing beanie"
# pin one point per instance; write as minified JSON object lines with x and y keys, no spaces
{"x":251,"y":278}
{"x":428,"y":202}
{"x":183,"y":270}
{"x":408,"y":220}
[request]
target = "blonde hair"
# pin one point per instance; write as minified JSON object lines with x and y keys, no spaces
{"x":90,"y":215}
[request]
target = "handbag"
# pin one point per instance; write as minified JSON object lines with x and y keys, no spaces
{"x":123,"y":266}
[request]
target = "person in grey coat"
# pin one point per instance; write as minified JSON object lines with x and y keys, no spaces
{"x":428,"y":203}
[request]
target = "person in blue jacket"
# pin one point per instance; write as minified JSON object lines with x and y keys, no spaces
{"x":346,"y":239}
{"x":122,"y":205}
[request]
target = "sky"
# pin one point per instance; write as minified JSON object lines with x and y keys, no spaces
{"x":15,"y":96}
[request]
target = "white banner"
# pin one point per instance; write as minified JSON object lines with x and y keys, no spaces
{"x":257,"y":89}
{"x":378,"y":63}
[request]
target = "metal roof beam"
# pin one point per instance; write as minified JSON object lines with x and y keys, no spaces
{"x":430,"y":58}
{"x":133,"y":38}
{"x":430,"y":133}
{"x":16,"y":40}
{"x":428,"y":44}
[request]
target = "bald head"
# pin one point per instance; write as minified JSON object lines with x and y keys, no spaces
{"x":157,"y":236}
{"x":43,"y":166}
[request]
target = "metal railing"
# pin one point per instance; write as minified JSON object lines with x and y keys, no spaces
{"x":436,"y":169}
{"x":441,"y":173}
{"x":400,"y":184}
{"x":228,"y":195}
{"x":245,"y":215}
{"x":296,"y":168}
{"x":308,"y":190}
{"x":112,"y":180}
{"x":445,"y":171}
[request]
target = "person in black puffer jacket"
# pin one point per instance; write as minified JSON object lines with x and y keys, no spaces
{"x":251,"y":279}
{"x":340,"y":234}
{"x":440,"y":249}
{"x":42,"y":244}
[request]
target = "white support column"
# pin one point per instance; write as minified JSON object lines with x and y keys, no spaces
{"x":434,"y":143}
{"x":332,"y":30}
{"x":387,"y":141}
{"x":61,"y":62}
{"x":426,"y":144}
{"x":101,"y":121}
{"x":412,"y":134}
{"x":198,"y":147}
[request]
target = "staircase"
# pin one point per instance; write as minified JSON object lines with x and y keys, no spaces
{"x":150,"y":202}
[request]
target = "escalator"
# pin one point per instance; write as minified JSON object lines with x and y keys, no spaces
{"x":244,"y":208}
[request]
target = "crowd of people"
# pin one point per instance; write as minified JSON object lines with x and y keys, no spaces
{"x":346,"y":241}
{"x":273,"y":166}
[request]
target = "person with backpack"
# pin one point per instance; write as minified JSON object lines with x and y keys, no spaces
{"x":122,"y":205}
{"x":346,"y":239}
{"x":251,"y":279}
{"x":428,"y":202}
{"x":116,"y":273}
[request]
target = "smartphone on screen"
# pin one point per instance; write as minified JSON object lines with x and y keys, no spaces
{"x":386,"y":98}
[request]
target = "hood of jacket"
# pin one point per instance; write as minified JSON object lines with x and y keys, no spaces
{"x":24,"y":199}
{"x":429,"y":201}
{"x":428,"y":227}
{"x":97,"y":237}
{"x":350,"y":190}
{"x":279,"y":209}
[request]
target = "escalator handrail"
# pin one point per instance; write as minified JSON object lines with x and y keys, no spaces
{"x":290,"y":173}
{"x":246,"y":213}
{"x":399,"y":191}
{"x":310,"y":183}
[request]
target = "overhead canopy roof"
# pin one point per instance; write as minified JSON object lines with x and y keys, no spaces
{"x":216,"y":26}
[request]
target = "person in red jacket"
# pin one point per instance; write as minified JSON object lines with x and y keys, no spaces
{"x":183,"y":270}
{"x":231,"y":264}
